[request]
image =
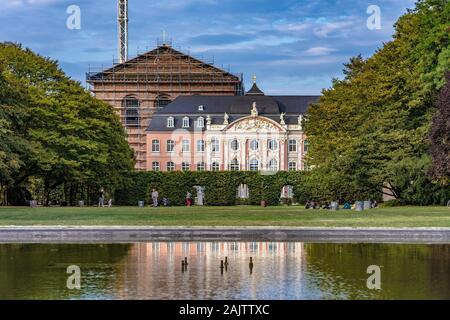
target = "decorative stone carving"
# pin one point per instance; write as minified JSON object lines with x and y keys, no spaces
{"x":255,"y":124}
{"x":208,"y":120}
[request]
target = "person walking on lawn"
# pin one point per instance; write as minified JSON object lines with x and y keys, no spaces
{"x":155,"y":197}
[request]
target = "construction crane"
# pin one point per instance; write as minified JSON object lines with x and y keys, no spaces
{"x":123,"y":30}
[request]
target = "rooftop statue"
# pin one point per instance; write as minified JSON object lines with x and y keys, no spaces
{"x":225,"y":118}
{"x":282,"y":118}
{"x":254,"y":110}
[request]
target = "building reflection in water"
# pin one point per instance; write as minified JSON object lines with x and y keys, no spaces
{"x":153,"y":270}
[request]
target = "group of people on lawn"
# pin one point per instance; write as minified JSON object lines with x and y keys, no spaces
{"x":165,"y":201}
{"x":311,"y":204}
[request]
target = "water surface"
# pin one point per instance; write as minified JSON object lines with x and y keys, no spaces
{"x":281,"y":270}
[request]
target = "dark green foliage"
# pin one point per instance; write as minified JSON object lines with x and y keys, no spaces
{"x":370,"y":129}
{"x":52,"y":131}
{"x":220,"y":187}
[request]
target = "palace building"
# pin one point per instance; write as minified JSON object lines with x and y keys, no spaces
{"x":253,"y":132}
{"x":139,"y":87}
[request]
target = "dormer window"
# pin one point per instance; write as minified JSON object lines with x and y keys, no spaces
{"x":201,"y":122}
{"x":170,"y":122}
{"x":200,"y":108}
{"x":185,"y":122}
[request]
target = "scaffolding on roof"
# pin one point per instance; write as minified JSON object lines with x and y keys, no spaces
{"x":155,"y":78}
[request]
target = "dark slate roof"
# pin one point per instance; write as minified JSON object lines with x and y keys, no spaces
{"x":255,"y":91}
{"x":235,"y":106}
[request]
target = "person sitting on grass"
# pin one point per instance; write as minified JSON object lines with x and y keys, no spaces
{"x":165,"y":202}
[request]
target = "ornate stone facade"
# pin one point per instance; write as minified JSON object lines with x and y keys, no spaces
{"x":254,"y":132}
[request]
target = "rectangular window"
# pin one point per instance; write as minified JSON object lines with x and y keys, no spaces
{"x":155,"y":166}
{"x":215,"y":166}
{"x":170,"y":166}
{"x":200,"y":146}
{"x":186,"y":122}
{"x":201,"y":166}
{"x":292,"y":166}
{"x":155,"y":145}
{"x":185,"y":166}
{"x":185,"y":147}
{"x":292,"y":146}
{"x":215,"y":146}
{"x":170,"y":146}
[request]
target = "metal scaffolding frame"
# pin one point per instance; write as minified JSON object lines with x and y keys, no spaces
{"x":161,"y":72}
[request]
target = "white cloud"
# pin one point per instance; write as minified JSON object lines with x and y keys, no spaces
{"x":319,"y":51}
{"x":23,"y":3}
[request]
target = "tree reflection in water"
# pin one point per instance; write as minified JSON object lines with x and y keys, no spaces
{"x":281,"y":270}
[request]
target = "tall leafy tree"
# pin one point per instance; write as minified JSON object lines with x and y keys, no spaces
{"x":374,"y":122}
{"x":71,"y":136}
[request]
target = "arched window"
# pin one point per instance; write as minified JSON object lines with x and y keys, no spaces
{"x":155,"y":146}
{"x":292,"y":145}
{"x":234,"y":165}
{"x":254,"y":145}
{"x":185,"y":122}
{"x":215,"y":145}
{"x":215,"y":166}
{"x":200,"y":122}
{"x":170,"y":122}
{"x":234,"y":145}
{"x":170,"y":146}
{"x":272,"y":144}
{"x":161,"y":101}
{"x":305,"y":146}
{"x":170,"y":166}
{"x":155,"y":166}
{"x":273,"y":165}
{"x":201,"y":166}
{"x":254,"y":165}
{"x":130,"y":112}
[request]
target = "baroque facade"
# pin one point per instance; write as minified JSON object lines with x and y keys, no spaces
{"x":253,"y":132}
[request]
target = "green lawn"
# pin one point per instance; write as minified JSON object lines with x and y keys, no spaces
{"x":226,"y":216}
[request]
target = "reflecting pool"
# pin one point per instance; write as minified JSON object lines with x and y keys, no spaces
{"x":281,"y":270}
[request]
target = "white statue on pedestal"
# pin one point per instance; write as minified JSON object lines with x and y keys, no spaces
{"x":225,"y":118}
{"x":282,"y":118}
{"x":300,"y":121}
{"x":208,"y":120}
{"x":254,"y":110}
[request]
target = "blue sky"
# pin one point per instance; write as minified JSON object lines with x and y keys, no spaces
{"x":293,"y":46}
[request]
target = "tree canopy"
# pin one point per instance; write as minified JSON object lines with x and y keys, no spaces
{"x":52,"y":130}
{"x":369,"y":131}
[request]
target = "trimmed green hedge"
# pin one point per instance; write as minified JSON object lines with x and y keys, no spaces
{"x":220,"y":187}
